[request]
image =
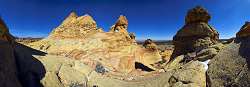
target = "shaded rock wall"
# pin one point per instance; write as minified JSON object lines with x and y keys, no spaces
{"x":8,"y":69}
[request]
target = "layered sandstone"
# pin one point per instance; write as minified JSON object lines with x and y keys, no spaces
{"x":75,"y":26}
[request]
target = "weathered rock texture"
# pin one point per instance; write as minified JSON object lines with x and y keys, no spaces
{"x":75,"y":27}
{"x":196,"y":34}
{"x":8,"y":69}
{"x":230,"y":68}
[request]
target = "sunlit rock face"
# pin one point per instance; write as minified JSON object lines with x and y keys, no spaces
{"x":75,"y":26}
{"x":196,"y":34}
{"x":116,"y":51}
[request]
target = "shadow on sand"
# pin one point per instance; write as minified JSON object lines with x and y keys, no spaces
{"x":30,"y":70}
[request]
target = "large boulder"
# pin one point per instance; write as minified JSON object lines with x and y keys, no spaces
{"x":64,"y":72}
{"x":196,"y":34}
{"x":230,"y":67}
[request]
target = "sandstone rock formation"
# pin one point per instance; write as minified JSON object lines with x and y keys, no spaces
{"x":114,"y":52}
{"x":75,"y":27}
{"x":196,"y":34}
{"x":230,"y":68}
{"x":78,"y":53}
{"x":121,"y":26}
{"x":8,"y":69}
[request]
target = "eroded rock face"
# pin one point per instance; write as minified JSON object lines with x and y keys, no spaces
{"x":196,"y":34}
{"x":244,"y":31}
{"x":75,"y":27}
{"x":230,"y":67}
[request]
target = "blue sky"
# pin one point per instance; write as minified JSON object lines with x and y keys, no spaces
{"x":155,"y":19}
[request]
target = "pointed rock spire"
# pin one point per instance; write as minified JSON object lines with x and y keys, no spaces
{"x":75,"y":27}
{"x":72,"y":16}
{"x":122,"y":21}
{"x":244,"y":31}
{"x":121,"y":26}
{"x":86,"y":19}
